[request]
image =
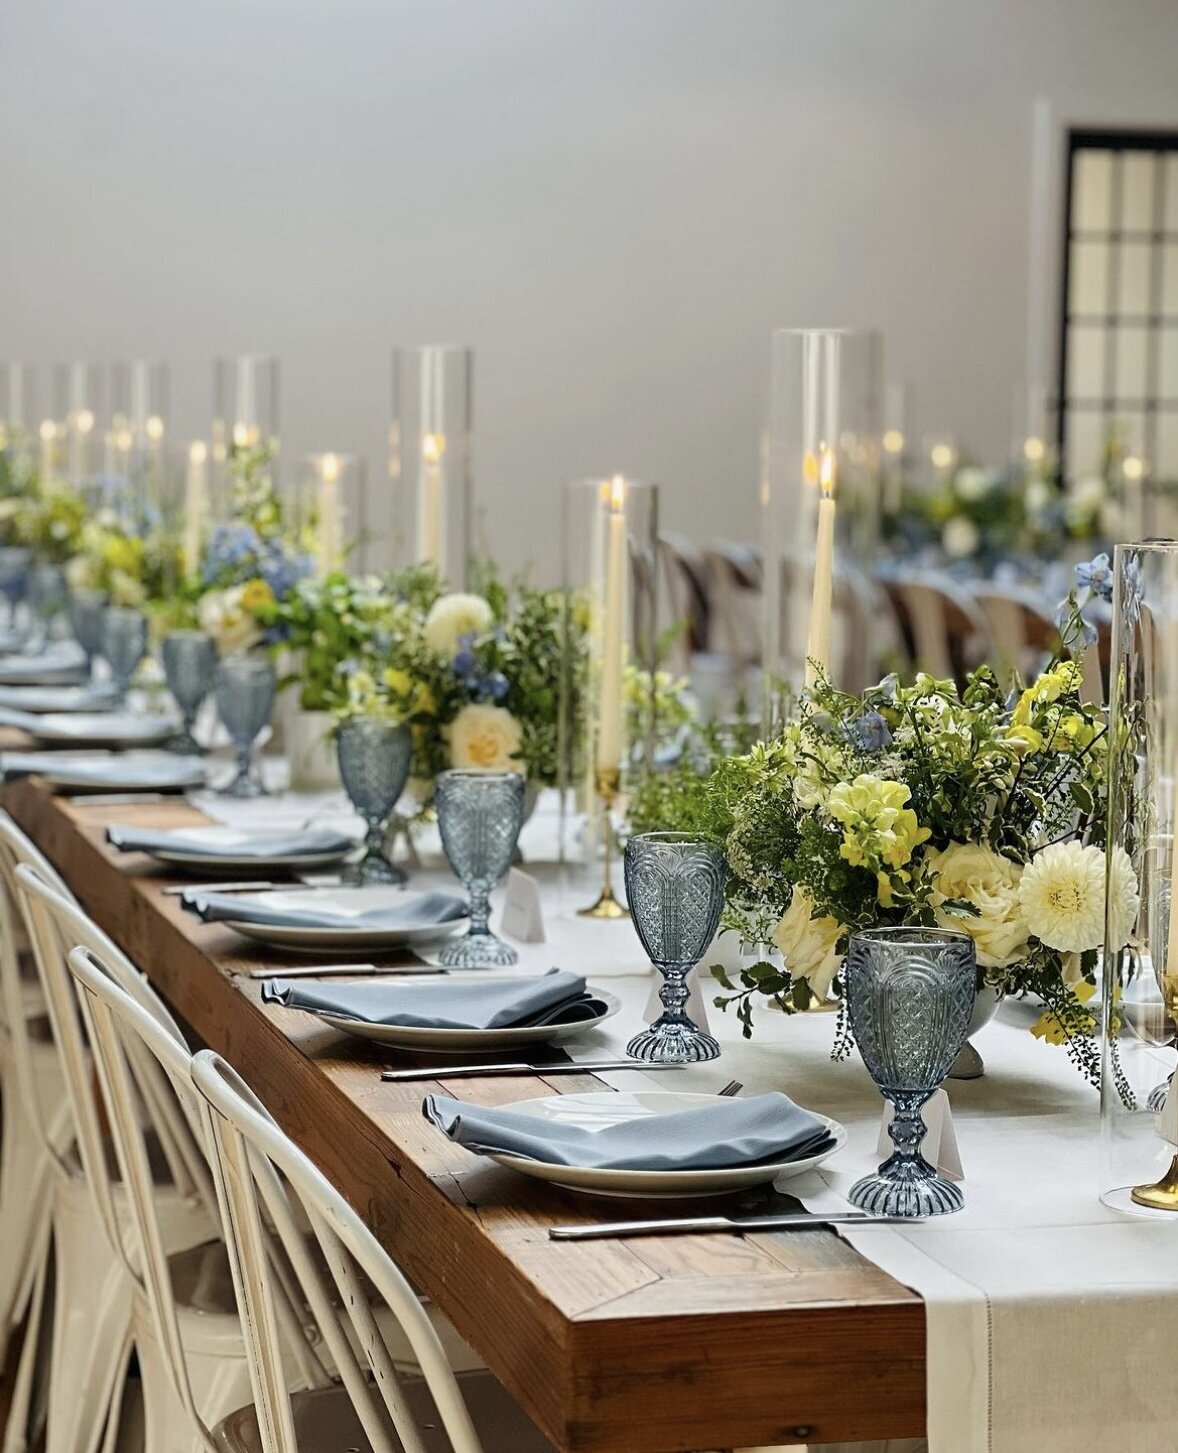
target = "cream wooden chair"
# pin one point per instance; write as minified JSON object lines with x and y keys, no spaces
{"x":374,"y":1408}
{"x":91,"y":1218}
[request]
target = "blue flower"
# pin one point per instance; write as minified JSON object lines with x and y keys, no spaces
{"x":497,"y":686}
{"x":1096,"y":575}
{"x":872,"y":732}
{"x":1074,"y":631}
{"x":465,"y":664}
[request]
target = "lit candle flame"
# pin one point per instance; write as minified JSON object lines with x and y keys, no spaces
{"x":893,"y":441}
{"x":154,"y":427}
{"x":329,"y":467}
{"x":84,"y":421}
{"x":1132,"y":467}
{"x":198,"y":451}
{"x":826,"y":474}
{"x":433,"y":446}
{"x":617,"y":494}
{"x":48,"y":430}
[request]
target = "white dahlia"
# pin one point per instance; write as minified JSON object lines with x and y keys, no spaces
{"x":453,"y":616}
{"x":1061,"y":894}
{"x":1124,"y":900}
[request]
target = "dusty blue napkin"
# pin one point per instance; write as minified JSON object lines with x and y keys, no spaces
{"x":259,"y":845}
{"x":427,"y":910}
{"x":140,"y":770}
{"x":726,"y":1133}
{"x":515,"y":1003}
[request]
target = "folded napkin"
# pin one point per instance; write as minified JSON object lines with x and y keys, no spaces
{"x":516,"y":1003}
{"x":56,"y":698}
{"x":427,"y":910}
{"x":259,"y":845}
{"x":726,"y":1133}
{"x":139,"y":770}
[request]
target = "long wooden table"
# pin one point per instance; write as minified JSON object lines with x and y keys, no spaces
{"x":654,"y":1345}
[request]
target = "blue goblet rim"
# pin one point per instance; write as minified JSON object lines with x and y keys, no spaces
{"x":186,"y":633}
{"x":370,"y":720}
{"x":908,"y":936}
{"x":257,"y":665}
{"x":673,"y":840}
{"x":480,"y":774}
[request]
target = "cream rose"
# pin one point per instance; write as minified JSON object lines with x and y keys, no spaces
{"x":807,"y":943}
{"x":485,"y":736}
{"x":224,"y":617}
{"x":451,"y":617}
{"x":974,"y":874}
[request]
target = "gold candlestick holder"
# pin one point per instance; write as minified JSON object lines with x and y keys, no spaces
{"x":607,"y":780}
{"x":1163,"y":1194}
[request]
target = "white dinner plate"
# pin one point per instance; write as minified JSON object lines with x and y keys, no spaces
{"x":56,"y":698}
{"x":363,"y":938}
{"x":103,"y":728}
{"x":223,"y":859}
{"x":463,"y":1041}
{"x":54,"y":668}
{"x":108,"y":771}
{"x":612,"y":1107}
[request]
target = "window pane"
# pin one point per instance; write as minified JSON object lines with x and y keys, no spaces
{"x":1166,"y":465}
{"x":1132,"y":355}
{"x":1130,"y":427}
{"x":1170,"y":280}
{"x":1168,"y":360}
{"x":1086,"y":362}
{"x":1134,"y":262}
{"x":1171,"y":221}
{"x":1088,"y":278}
{"x":1085,"y":444}
{"x":1091,"y":180}
{"x":1137,"y":169}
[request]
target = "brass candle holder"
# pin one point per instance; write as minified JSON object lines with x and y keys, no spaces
{"x":607,"y":781}
{"x":1163,"y":1195}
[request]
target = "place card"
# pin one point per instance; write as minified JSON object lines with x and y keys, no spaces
{"x":523,"y":917}
{"x":1168,"y":1119}
{"x":696,"y":1007}
{"x":940,"y":1142}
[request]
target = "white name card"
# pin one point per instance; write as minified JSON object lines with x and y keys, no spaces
{"x":696,"y":1007}
{"x":523,"y":918}
{"x":940,"y":1141}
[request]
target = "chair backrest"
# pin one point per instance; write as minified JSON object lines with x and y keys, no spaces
{"x":260,"y":1168}
{"x":123,"y":1033}
{"x":736,"y":579}
{"x":1022,"y":631}
{"x":56,"y":924}
{"x":943,"y":621}
{"x":685,"y":595}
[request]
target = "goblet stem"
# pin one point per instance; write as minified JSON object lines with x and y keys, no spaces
{"x":480,"y":911}
{"x":907,"y":1133}
{"x":673,"y":994}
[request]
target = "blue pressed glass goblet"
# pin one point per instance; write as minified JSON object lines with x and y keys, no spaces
{"x":15,"y":561}
{"x":910,"y":993}
{"x":374,"y":758}
{"x":480,"y":813}
{"x":123,"y":644}
{"x":48,"y":596}
{"x":87,"y":608}
{"x":190,"y":665}
{"x":244,"y":688}
{"x":675,"y":887}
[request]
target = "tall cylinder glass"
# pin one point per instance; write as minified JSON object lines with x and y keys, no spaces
{"x":607,"y":726}
{"x":80,"y":411}
{"x":140,"y":393}
{"x":245,"y":420}
{"x":430,"y":438}
{"x":821,"y":500}
{"x":331,"y":507}
{"x":1139,"y":1014}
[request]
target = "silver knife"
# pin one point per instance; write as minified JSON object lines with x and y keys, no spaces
{"x":327,"y":971}
{"x":701,"y":1225}
{"x":585,"y":1067}
{"x":243,"y":885}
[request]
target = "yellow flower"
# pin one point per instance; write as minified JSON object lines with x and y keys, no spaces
{"x":877,"y":826}
{"x":971,"y":873}
{"x":397,"y":679}
{"x":807,"y":943}
{"x":1048,"y":1027}
{"x":1025,"y":739}
{"x":1074,"y":733}
{"x":255,"y":596}
{"x":485,"y":736}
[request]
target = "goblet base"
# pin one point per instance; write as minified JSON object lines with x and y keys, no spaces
{"x":914,"y":1193}
{"x":243,"y":786}
{"x":373,"y":868}
{"x":477,"y":951}
{"x":184,"y":744}
{"x":673,"y":1043}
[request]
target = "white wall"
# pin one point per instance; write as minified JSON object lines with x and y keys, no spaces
{"x":613,"y":201}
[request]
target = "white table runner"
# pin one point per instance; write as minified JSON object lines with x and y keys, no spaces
{"x":1052,"y":1321}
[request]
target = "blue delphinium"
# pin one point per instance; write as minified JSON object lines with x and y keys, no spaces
{"x":1074,"y":631}
{"x":872,"y":732}
{"x":1096,"y":577}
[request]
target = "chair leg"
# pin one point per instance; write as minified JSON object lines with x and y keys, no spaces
{"x":167,"y":1423}
{"x":25,"y":1180}
{"x":91,"y":1328}
{"x":17,"y":1431}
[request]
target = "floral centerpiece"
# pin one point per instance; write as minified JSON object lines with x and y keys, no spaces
{"x":925,"y":805}
{"x":134,"y":565}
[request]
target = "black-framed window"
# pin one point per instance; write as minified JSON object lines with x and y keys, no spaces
{"x":1118,"y":356}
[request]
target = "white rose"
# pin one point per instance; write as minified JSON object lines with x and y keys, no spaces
{"x":452,"y":617}
{"x":78,"y":574}
{"x":974,"y":874}
{"x":223,"y":616}
{"x":485,"y":736}
{"x":972,"y":483}
{"x":960,"y":537}
{"x":807,"y":943}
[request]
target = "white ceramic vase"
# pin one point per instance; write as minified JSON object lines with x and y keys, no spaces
{"x":310,"y":749}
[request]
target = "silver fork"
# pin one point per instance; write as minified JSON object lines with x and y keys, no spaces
{"x":733,"y":1087}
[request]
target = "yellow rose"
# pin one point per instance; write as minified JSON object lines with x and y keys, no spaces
{"x":807,"y":943}
{"x":255,"y":595}
{"x":973,"y":874}
{"x":485,"y":736}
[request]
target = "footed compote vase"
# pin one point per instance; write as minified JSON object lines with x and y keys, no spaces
{"x":480,"y":812}
{"x":675,"y":886}
{"x":910,"y":995}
